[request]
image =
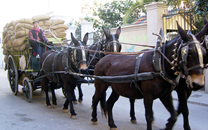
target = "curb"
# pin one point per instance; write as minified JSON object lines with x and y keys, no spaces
{"x":193,"y":102}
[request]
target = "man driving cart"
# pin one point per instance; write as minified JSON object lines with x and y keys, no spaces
{"x":36,"y":37}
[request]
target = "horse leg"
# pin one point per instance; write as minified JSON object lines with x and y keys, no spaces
{"x":45,"y":87}
{"x":80,"y":93}
{"x":168,"y":103}
{"x":70,"y":94}
{"x":132,"y":112}
{"x":110,"y":103}
{"x":74,"y":99}
{"x":148,"y":102}
{"x":183,"y":94}
{"x":53,"y":95}
{"x":98,"y":96}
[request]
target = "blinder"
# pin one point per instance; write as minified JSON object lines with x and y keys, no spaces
{"x":184,"y":55}
{"x":85,"y":57}
{"x":206,"y":41}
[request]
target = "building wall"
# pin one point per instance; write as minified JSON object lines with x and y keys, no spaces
{"x":134,"y":34}
{"x":1,"y":52}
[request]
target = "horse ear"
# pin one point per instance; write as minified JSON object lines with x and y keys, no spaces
{"x":118,"y":31}
{"x":76,"y":43}
{"x":182,"y":33}
{"x":103,"y":37}
{"x":107,"y":35}
{"x":85,"y":39}
{"x":205,"y":20}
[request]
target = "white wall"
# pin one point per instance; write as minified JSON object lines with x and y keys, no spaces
{"x":1,"y":52}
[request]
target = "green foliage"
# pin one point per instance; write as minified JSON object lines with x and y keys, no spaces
{"x":78,"y":31}
{"x":201,"y":7}
{"x":111,"y":14}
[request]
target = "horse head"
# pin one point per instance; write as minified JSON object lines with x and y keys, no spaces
{"x":111,"y":43}
{"x":188,"y":58}
{"x":80,"y":55}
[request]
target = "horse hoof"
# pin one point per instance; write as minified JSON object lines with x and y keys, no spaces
{"x":133,"y":121}
{"x":94,"y":122}
{"x":74,"y":117}
{"x":74,"y":102}
{"x":80,"y":101}
{"x":65,"y":110}
{"x":113,"y":128}
{"x":48,"y":106}
{"x":54,"y":106}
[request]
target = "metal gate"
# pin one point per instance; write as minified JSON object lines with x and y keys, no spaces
{"x":186,"y":20}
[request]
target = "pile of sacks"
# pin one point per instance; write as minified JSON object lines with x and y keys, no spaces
{"x":16,"y":32}
{"x":54,"y":26}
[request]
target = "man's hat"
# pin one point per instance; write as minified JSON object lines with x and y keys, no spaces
{"x":35,"y":21}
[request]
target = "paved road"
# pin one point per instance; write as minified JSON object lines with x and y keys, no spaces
{"x":17,"y":114}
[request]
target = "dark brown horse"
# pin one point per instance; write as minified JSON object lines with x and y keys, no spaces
{"x":182,"y":90}
{"x":57,"y":65}
{"x":186,"y":62}
{"x":108,"y":43}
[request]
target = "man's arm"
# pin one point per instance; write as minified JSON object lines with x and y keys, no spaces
{"x":43,"y":36}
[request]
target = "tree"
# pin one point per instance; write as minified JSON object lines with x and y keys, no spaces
{"x":111,"y":14}
{"x":138,"y":6}
{"x":201,"y":7}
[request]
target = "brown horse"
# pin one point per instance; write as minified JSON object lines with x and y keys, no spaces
{"x":182,"y":90}
{"x":186,"y":62}
{"x":56,"y":65}
{"x":108,"y":43}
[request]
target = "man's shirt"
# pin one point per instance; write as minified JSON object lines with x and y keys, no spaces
{"x":37,"y":31}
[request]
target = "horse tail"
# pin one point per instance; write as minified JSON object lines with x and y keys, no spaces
{"x":103,"y":104}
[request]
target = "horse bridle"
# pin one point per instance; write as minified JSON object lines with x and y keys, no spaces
{"x":184,"y":54}
{"x":108,"y":44}
{"x":74,"y":55}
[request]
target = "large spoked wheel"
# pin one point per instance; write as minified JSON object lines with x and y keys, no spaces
{"x":27,"y":89}
{"x":64,"y":92}
{"x":12,"y":75}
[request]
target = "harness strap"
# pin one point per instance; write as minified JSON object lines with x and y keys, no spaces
{"x":137,"y":65}
{"x":44,"y":61}
{"x":55,"y":77}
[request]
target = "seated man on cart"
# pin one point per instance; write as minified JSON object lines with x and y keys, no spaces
{"x":36,"y":37}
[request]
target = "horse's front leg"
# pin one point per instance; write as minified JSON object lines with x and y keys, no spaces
{"x":70,"y":94}
{"x":110,"y":103}
{"x":53,"y":95}
{"x":80,"y":93}
{"x":132,"y":112}
{"x":45,"y":87}
{"x":168,"y":103}
{"x":148,"y":102}
{"x":183,"y":94}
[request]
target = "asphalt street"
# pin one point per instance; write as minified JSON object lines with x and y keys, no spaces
{"x":17,"y":114}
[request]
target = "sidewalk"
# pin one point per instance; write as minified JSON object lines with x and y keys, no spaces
{"x":199,"y":97}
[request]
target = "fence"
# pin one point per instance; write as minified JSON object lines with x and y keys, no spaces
{"x":186,"y":20}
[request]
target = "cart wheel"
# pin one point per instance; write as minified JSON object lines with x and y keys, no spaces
{"x":12,"y":75}
{"x":27,"y":89}
{"x":64,"y":92}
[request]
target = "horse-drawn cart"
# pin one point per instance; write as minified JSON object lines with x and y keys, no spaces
{"x":23,"y":69}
